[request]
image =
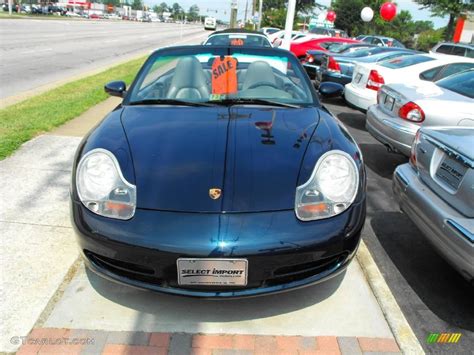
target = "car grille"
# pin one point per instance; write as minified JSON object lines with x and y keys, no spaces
{"x":124,"y":269}
{"x":301,"y":271}
{"x":278,"y":276}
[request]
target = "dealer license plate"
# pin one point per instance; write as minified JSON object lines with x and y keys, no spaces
{"x":212,"y":272}
{"x":451,"y":172}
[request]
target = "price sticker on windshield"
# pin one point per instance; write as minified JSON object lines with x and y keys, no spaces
{"x":224,"y":75}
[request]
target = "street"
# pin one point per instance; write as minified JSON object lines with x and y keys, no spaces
{"x":432,"y":295}
{"x":38,"y":52}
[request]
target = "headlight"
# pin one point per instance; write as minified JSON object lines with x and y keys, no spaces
{"x":330,"y":190}
{"x":102,"y":188}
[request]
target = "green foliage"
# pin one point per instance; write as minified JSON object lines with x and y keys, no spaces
{"x":274,"y":18}
{"x":176,"y":9}
{"x":274,"y":11}
{"x":160,"y":8}
{"x":193,"y":13}
{"x":427,"y":39}
{"x":42,"y":113}
{"x":452,"y":8}
{"x":402,"y":28}
{"x":137,"y":5}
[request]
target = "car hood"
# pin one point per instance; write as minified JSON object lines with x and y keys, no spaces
{"x":251,"y":154}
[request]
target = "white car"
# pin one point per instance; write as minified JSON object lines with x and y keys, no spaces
{"x":367,"y":79}
{"x":269,"y":30}
{"x":210,"y":23}
{"x":277,"y":37}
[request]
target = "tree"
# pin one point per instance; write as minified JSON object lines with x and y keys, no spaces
{"x":176,"y":9}
{"x":193,"y":13}
{"x":348,"y":16}
{"x":160,"y":8}
{"x":452,"y":8}
{"x":274,"y":11}
{"x":427,"y":39}
{"x":137,"y":5}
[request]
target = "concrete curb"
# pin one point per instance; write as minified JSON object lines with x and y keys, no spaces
{"x":397,"y":322}
{"x":11,"y":100}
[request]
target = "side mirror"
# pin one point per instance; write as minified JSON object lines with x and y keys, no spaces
{"x":329,"y":89}
{"x":116,"y":88}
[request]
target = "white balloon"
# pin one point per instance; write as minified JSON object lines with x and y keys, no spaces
{"x":367,"y":14}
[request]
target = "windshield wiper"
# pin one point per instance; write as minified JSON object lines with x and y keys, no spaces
{"x":170,"y":102}
{"x":253,"y":101}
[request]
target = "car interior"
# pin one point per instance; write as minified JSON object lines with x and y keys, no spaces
{"x":191,"y":80}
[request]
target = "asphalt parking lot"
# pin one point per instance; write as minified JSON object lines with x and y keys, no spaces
{"x":38,"y":52}
{"x":433,"y":296}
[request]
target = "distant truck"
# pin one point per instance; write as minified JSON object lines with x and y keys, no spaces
{"x":210,"y":23}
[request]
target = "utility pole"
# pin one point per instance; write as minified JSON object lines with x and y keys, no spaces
{"x":233,"y":14}
{"x":290,"y":17}
{"x":10,"y":5}
{"x":260,"y":7}
{"x":246,"y":8}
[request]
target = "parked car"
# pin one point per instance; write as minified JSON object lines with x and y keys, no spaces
{"x":435,"y":191}
{"x":269,"y":30}
{"x":237,"y":37}
{"x":313,"y":58}
{"x":458,"y":49}
{"x":234,"y":160}
{"x":210,"y":23}
{"x":381,"y":41}
{"x":299,"y":49}
{"x":71,"y":14}
{"x":277,"y":37}
{"x":403,"y":108}
{"x":367,"y":79}
{"x":328,"y":32}
{"x":339,"y":68}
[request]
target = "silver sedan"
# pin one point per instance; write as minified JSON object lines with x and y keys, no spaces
{"x":436,"y":191}
{"x":402,"y":109}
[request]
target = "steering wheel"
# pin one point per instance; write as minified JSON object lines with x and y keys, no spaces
{"x":263,"y":83}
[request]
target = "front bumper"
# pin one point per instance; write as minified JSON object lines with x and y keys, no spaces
{"x":451,"y":233}
{"x":283,"y":253}
{"x":390,"y":131}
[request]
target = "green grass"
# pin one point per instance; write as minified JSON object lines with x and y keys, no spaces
{"x":42,"y":113}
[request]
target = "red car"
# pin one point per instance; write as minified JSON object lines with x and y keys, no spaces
{"x":299,"y":48}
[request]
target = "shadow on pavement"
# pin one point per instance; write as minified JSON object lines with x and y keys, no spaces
{"x":380,"y":161}
{"x":186,"y":308}
{"x":437,"y":284}
{"x":353,"y":119}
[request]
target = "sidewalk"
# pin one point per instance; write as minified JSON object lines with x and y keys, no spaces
{"x":39,"y":251}
{"x":118,"y":343}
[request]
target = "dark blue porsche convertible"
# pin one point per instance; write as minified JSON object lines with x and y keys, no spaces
{"x":219,"y":175}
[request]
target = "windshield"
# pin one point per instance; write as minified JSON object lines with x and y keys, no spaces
{"x":218,"y":74}
{"x":403,"y":62}
{"x":462,"y":83}
{"x":238,"y":39}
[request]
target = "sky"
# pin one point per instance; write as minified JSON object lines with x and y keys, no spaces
{"x":221,"y":8}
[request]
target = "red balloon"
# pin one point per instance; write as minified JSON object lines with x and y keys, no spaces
{"x":388,"y":11}
{"x":331,"y":16}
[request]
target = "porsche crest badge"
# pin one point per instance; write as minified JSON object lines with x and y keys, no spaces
{"x":215,"y":193}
